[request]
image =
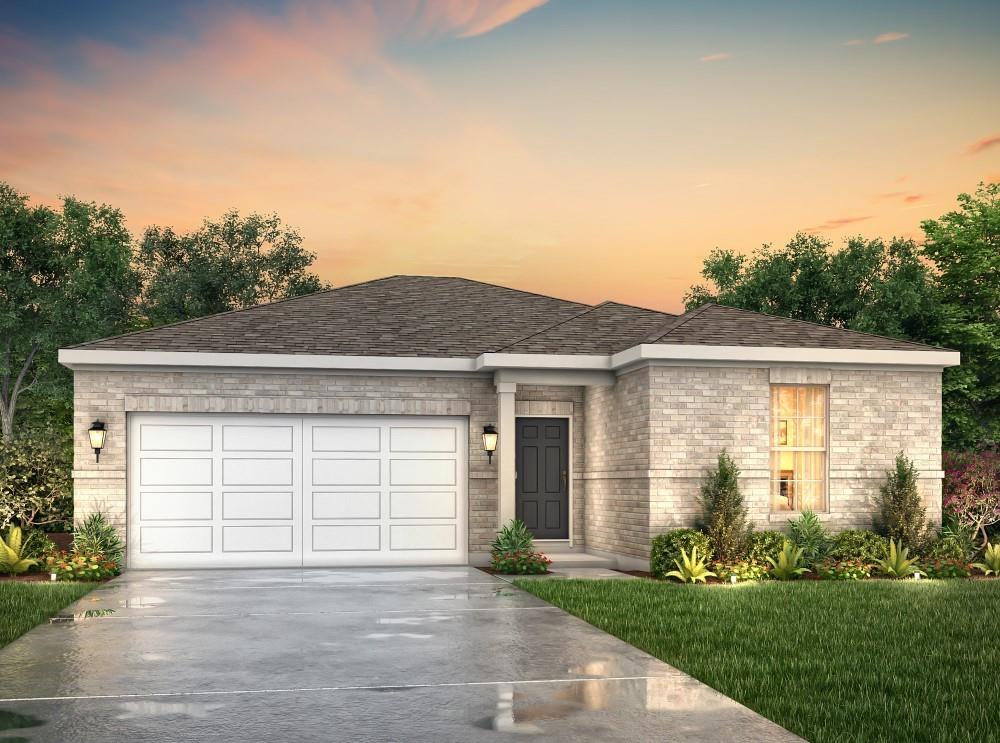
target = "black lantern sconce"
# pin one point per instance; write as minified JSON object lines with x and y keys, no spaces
{"x":490,"y":437}
{"x":98,"y":433}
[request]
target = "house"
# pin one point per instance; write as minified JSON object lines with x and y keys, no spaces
{"x":346,"y":427}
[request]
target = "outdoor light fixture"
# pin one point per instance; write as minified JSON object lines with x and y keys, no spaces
{"x":98,"y":433}
{"x":490,"y":437}
{"x":916,"y":575}
{"x":733,"y":579}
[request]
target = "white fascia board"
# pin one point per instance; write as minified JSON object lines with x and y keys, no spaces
{"x":494,"y":361}
{"x":83,"y":357}
{"x":781,"y":354}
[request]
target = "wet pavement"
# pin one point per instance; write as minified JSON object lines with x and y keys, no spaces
{"x":368,"y":654}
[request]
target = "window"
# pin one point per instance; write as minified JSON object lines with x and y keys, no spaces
{"x":798,"y":447}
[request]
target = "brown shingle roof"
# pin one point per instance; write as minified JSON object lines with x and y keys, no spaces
{"x":434,"y":316}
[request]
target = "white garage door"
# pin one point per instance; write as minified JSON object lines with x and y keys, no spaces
{"x":278,"y":491}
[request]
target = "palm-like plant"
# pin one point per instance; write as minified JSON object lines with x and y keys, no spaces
{"x":789,"y":563}
{"x":691,"y":568}
{"x":991,"y":560}
{"x":11,"y":559}
{"x":513,"y":537}
{"x":897,"y":562}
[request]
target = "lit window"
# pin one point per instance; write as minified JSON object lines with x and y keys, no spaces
{"x":798,"y":448}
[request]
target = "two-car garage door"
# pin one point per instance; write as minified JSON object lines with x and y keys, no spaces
{"x":278,"y":491}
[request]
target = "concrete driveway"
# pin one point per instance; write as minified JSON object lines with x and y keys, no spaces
{"x":436,"y":654}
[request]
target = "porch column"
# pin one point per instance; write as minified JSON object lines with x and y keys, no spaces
{"x":506,"y":469}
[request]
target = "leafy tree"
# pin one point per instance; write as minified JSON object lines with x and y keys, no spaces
{"x":901,"y":513}
{"x":229,"y":264}
{"x":36,"y":489}
{"x":724,"y":516}
{"x":964,"y":246}
{"x":65,"y":277}
{"x":867,"y":285}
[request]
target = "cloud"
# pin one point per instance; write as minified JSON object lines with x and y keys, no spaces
{"x":982,"y":144}
{"x":836,"y":223}
{"x":889,"y":36}
{"x":717,"y":57}
{"x":905,"y":197}
{"x":854,"y":42}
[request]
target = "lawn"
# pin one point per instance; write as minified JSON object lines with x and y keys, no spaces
{"x":830,"y":661}
{"x":23,"y":605}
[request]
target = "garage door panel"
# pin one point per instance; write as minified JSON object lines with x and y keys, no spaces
{"x":257,"y":539}
{"x":163,"y":505}
{"x":416,"y":439}
{"x":346,"y":538}
{"x":422,"y":472}
{"x":423,"y":537}
{"x":240,"y":471}
{"x":347,"y":505}
{"x":346,"y":472}
{"x":250,"y":505}
{"x":175,"y":539}
{"x":346,"y":438}
{"x":257,"y":438}
{"x":165,"y":437}
{"x":423,"y":505}
{"x":175,"y":471}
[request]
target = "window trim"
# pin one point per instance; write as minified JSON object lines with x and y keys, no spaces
{"x":772,"y":448}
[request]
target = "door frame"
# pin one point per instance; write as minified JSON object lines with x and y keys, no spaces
{"x":569,"y":470}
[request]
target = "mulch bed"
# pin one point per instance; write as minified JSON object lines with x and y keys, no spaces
{"x":491,"y":571}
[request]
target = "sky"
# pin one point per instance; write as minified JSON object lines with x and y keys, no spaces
{"x":587,"y":149}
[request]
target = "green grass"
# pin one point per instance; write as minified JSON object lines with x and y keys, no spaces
{"x":24,"y":605}
{"x":865,"y":661}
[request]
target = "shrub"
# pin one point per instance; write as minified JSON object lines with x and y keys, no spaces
{"x":37,"y":544}
{"x":691,"y":568}
{"x":666,"y":549}
{"x":764,"y":544}
{"x":843,"y":570}
{"x":522,"y":562}
{"x":946,"y":568}
{"x":35,"y":484}
{"x":744,"y":571}
{"x":12,"y":558}
{"x":858,"y":544}
{"x":945,"y":548}
{"x":95,"y":536}
{"x":901,"y":514}
{"x":724,"y":516}
{"x":971,"y":491}
{"x":808,"y":532}
{"x":991,"y":560}
{"x":789,"y":563}
{"x":81,"y":566}
{"x":513,"y":537}
{"x":897,"y":562}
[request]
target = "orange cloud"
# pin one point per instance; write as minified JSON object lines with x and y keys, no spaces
{"x":889,"y":36}
{"x":836,"y":223}
{"x":983,"y":143}
{"x":717,"y":57}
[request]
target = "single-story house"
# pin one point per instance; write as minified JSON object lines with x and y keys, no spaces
{"x":346,"y":427}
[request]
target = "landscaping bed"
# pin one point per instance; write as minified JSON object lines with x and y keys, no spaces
{"x":831,"y":661}
{"x":24,"y":604}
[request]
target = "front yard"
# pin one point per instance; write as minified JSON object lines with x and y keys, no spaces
{"x":23,"y":605}
{"x":830,"y":661}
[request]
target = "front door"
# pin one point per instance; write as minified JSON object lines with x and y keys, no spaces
{"x":542,"y":495}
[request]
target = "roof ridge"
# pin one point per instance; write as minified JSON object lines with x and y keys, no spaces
{"x":677,"y":322}
{"x":551,"y":327}
{"x":501,"y":286}
{"x":636,"y":307}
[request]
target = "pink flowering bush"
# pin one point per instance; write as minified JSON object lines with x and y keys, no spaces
{"x":971,"y":490}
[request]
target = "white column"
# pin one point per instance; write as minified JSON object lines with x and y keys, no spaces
{"x":506,"y":469}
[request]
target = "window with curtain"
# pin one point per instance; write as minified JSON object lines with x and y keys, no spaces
{"x":798,"y":447}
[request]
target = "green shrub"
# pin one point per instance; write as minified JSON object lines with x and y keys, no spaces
{"x":743,"y":570}
{"x":513,"y":537}
{"x":808,"y":532}
{"x":666,"y":549}
{"x":788,"y":564}
{"x":12,"y":558}
{"x":844,"y":570}
{"x":691,"y":568}
{"x":36,"y":488}
{"x":858,"y":544}
{"x":81,"y":566}
{"x":945,"y":548}
{"x":991,"y":560}
{"x":901,"y":513}
{"x":897,"y":562}
{"x":522,"y":562}
{"x":946,"y":568}
{"x":724,"y":516}
{"x":95,"y":536}
{"x":764,"y":544}
{"x":37,"y":544}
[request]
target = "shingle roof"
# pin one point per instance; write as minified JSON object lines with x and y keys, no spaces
{"x":442,"y":317}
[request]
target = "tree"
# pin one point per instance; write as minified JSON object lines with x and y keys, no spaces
{"x":901,"y":514}
{"x":229,"y":264}
{"x":65,"y":277}
{"x":724,"y":516}
{"x":964,"y":246}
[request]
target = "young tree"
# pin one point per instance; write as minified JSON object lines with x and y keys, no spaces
{"x":724,"y":516}
{"x":65,"y":277}
{"x":229,"y":264}
{"x":901,"y":513}
{"x":964,"y":246}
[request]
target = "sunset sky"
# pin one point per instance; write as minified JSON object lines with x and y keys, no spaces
{"x":590,"y":150}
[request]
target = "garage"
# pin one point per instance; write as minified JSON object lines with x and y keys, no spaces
{"x":249,"y":490}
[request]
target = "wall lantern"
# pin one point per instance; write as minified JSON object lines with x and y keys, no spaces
{"x":490,"y":437}
{"x":98,"y":433}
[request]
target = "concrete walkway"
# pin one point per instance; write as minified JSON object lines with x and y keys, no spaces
{"x":435,"y":654}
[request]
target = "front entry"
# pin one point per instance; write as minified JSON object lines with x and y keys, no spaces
{"x":542,"y":494}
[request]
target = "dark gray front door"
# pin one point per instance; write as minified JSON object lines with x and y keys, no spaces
{"x":543,"y":476}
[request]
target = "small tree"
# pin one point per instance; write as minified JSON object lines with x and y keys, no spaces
{"x":901,"y":513}
{"x":972,"y":491}
{"x":724,"y":516}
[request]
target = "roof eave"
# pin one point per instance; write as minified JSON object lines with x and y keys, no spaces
{"x":783,"y":354}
